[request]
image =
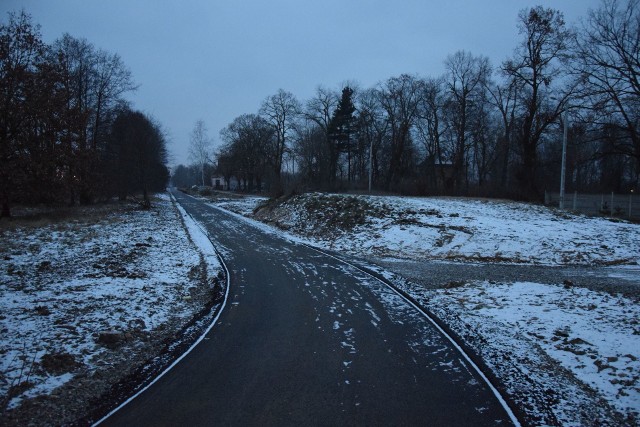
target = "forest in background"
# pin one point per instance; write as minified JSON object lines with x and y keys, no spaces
{"x":67,"y":135}
{"x":478,"y":129}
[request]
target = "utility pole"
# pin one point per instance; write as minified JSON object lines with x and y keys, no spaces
{"x":564,"y":158}
{"x":370,"y":163}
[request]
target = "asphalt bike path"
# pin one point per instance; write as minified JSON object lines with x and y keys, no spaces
{"x":306,"y":339}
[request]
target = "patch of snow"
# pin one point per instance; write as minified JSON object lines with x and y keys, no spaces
{"x":42,"y":387}
{"x":63,"y":283}
{"x":593,"y":334}
{"x":242,"y":205}
{"x":201,"y":240}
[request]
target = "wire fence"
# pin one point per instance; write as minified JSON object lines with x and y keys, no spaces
{"x":614,"y":205}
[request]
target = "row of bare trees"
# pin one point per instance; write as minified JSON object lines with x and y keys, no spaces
{"x":66,"y":134}
{"x":475,"y":129}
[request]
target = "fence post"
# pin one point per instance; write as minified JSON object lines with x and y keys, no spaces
{"x":630,"y":200}
{"x":611,"y":207}
{"x":575,"y":200}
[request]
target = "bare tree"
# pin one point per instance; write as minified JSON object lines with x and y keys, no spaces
{"x":372,"y":129}
{"x":111,"y":79}
{"x":310,"y":148}
{"x":431,"y":127}
{"x":74,"y":58}
{"x":21,"y":53}
{"x":315,"y":151}
{"x":536,"y":69}
{"x":200,"y":147}
{"x":281,"y":111}
{"x":400,"y":98}
{"x":247,"y":140}
{"x":319,"y":109}
{"x":466,"y":79}
{"x":608,"y":68}
{"x":504,"y":97}
{"x":93,"y":83}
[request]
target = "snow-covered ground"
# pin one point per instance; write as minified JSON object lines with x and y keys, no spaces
{"x":63,"y":283}
{"x":103,"y":281}
{"x":457,"y":229}
{"x":594,"y":335}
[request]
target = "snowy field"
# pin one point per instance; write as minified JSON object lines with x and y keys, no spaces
{"x":593,"y":335}
{"x":77,"y":292}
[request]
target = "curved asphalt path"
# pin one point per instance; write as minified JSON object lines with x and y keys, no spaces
{"x":308,"y":340}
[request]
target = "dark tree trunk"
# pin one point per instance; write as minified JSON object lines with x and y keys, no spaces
{"x":146,"y":202}
{"x":527,"y":175}
{"x":6,"y":208}
{"x":395,"y":164}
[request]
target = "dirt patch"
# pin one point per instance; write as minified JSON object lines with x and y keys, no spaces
{"x":322,"y":216}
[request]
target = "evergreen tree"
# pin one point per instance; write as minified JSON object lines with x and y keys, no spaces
{"x":340,"y":132}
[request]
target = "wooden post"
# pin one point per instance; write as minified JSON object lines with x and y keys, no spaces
{"x":611,"y":207}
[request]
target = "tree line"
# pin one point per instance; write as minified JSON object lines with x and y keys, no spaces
{"x":475,"y":130}
{"x":66,"y":133}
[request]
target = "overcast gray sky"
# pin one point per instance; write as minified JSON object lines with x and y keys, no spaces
{"x":216,"y":59}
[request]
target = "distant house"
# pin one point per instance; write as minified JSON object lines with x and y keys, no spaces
{"x":220,"y":183}
{"x":217,"y":182}
{"x":444,"y":173}
{"x":438,"y":173}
